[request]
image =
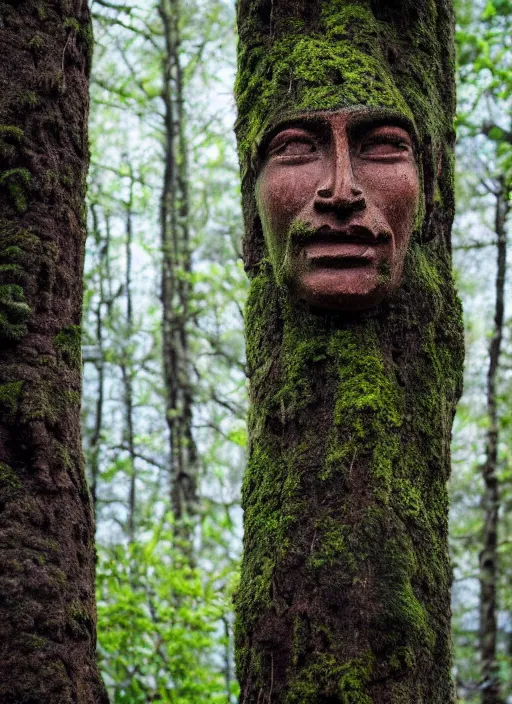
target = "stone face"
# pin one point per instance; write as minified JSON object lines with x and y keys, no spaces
{"x":338,"y":197}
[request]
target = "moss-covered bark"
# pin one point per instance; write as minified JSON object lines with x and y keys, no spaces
{"x":345,"y":590}
{"x":47,"y":624}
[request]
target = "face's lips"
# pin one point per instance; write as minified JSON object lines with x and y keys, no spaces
{"x":349,"y":247}
{"x":351,"y":233}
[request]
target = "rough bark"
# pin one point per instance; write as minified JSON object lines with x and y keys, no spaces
{"x":345,"y":588}
{"x":491,"y":690}
{"x":48,"y":618}
{"x":176,"y":269}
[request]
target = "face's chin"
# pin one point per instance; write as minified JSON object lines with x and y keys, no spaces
{"x":343,"y":287}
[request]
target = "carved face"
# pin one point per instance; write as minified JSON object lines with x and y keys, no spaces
{"x":338,"y":197}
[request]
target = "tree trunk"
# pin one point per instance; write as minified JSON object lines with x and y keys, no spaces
{"x":491,"y":690}
{"x":345,"y":587}
{"x":48,"y":621}
{"x":176,"y":268}
{"x":94,"y":448}
{"x":127,"y":370}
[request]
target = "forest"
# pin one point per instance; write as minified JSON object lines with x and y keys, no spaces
{"x":164,"y":389}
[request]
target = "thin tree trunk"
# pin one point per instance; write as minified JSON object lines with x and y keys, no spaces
{"x":227,"y":657}
{"x":176,"y":267}
{"x":48,"y":616}
{"x":489,"y":572}
{"x":345,"y":586}
{"x":126,"y":371}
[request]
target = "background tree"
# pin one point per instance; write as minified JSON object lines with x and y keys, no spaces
{"x":166,"y":620}
{"x":481,"y":491}
{"x":48,"y":624}
{"x":345,"y":584}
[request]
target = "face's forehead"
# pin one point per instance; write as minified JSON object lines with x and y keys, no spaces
{"x":352,"y":117}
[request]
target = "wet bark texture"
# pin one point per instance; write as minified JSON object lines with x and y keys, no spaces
{"x":47,"y":608}
{"x":491,"y":690}
{"x":345,"y":588}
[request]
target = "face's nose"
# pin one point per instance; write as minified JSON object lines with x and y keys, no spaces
{"x":340,"y":193}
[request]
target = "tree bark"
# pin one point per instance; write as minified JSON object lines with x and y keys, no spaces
{"x":176,"y":269}
{"x":345,"y":587}
{"x":94,"y":448}
{"x":491,"y":689}
{"x":48,"y":617}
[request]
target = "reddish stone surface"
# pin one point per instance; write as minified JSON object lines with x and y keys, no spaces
{"x":338,"y":196}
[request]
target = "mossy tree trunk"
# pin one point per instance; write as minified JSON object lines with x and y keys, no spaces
{"x":345,"y":588}
{"x":47,"y":606}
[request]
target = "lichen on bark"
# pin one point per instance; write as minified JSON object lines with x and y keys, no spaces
{"x":346,"y":578}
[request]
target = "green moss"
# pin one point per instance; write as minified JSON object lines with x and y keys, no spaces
{"x":14,"y":134}
{"x":72,"y":23}
{"x":35,"y":641}
{"x":17,"y":182}
{"x":10,"y":139}
{"x":10,"y":483}
{"x":69,"y":344}
{"x":345,"y":492}
{"x":78,"y":620}
{"x":350,"y":680}
{"x":46,"y":401}
{"x":371,"y":414}
{"x":37,"y":43}
{"x":14,"y":312}
{"x":10,"y":395}
{"x":42,"y":12}
{"x":343,"y":62}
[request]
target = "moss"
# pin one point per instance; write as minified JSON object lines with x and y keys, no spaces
{"x":10,"y":395}
{"x":72,"y":23}
{"x":42,"y":12}
{"x":37,"y":43}
{"x":372,"y":413}
{"x":14,"y":312}
{"x":10,"y":483}
{"x":349,"y":680}
{"x":343,"y":62}
{"x":35,"y":641}
{"x":17,"y":182}
{"x":10,"y":139}
{"x":78,"y":620}
{"x":69,"y":343}
{"x":45,"y":401}
{"x":349,"y":424}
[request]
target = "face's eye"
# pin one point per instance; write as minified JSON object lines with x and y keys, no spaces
{"x":292,"y":143}
{"x":386,"y":143}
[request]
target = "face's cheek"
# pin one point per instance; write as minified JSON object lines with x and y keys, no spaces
{"x":284,"y":195}
{"x":394,"y":192}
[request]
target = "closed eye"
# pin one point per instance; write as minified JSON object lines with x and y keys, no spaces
{"x":292,"y":143}
{"x":383,"y":144}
